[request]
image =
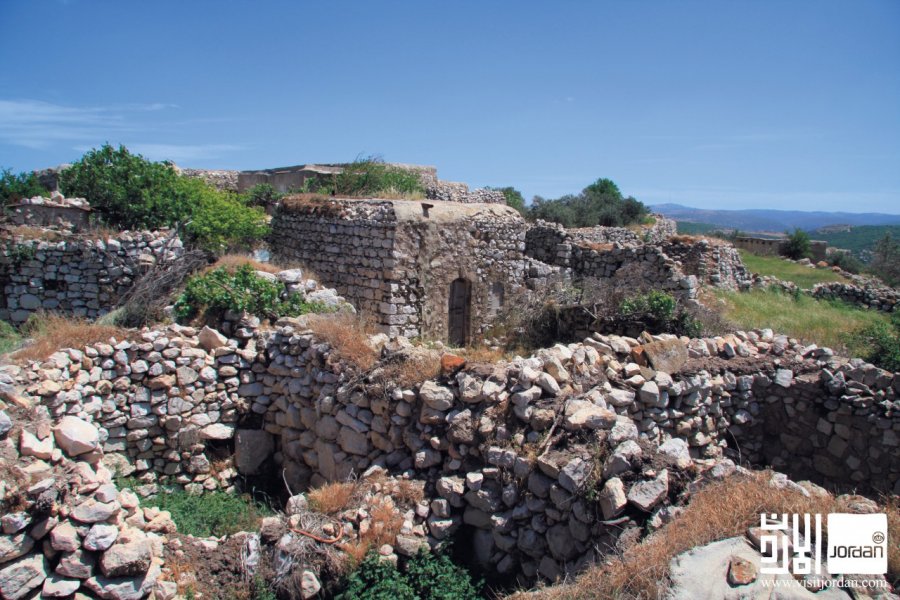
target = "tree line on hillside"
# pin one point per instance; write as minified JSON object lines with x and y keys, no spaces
{"x":600,"y":203}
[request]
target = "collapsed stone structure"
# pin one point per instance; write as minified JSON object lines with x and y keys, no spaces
{"x":77,"y":275}
{"x":445,"y":270}
{"x":545,"y":460}
{"x":57,"y":211}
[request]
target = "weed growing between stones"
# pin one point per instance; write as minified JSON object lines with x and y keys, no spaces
{"x":212,"y":513}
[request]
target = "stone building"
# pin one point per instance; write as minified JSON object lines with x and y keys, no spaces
{"x":444,"y":270}
{"x":440,"y":269}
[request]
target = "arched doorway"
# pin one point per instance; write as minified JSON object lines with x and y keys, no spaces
{"x":458,"y":311}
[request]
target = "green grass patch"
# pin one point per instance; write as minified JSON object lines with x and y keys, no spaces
{"x":774,"y":266}
{"x":212,"y":513}
{"x":828,"y":323}
{"x":9,"y":338}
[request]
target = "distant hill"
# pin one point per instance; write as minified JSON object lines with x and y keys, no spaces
{"x":859,"y":240}
{"x":772,"y":220}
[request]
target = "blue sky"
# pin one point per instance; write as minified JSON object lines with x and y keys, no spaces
{"x":763,"y":104}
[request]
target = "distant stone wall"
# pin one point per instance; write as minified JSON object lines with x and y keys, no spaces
{"x":633,"y":265}
{"x":877,"y":297}
{"x":451,"y":191}
{"x":218,"y":178}
{"x":770,"y":247}
{"x":48,"y":215}
{"x":78,"y":276}
{"x":656,"y":233}
{"x":716,"y":264}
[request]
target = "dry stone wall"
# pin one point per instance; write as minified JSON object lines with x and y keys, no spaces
{"x":714,"y":264}
{"x":877,"y":297}
{"x":451,"y":191}
{"x":77,"y":275}
{"x":628,"y":421}
{"x":656,"y":233}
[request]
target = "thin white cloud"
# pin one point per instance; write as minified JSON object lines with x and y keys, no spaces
{"x":39,"y":125}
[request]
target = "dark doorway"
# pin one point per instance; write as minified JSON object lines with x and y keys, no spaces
{"x":458,"y":324}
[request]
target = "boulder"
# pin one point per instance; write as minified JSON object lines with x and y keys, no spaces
{"x":126,"y":560}
{"x":666,"y":355}
{"x":647,"y":494}
{"x":612,"y":498}
{"x":436,"y":396}
{"x":75,"y":436}
{"x":20,"y":578}
{"x":211,"y":339}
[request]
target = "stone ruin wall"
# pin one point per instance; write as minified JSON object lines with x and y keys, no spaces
{"x":876,"y":297}
{"x":349,"y":246}
{"x":715,"y":264}
{"x":162,"y":400}
{"x":658,"y":232}
{"x":77,"y":275}
{"x":397,"y":266}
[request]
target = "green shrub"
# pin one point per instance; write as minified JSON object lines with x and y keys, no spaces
{"x":428,"y":576}
{"x":514,"y":198}
{"x":219,"y":290}
{"x":846,"y":261}
{"x":14,"y":187}
{"x":211,"y":513}
{"x":660,"y":313}
{"x":375,"y":579}
{"x":127,"y":191}
{"x":262,"y":194}
{"x":9,"y":337}
{"x":600,"y":203}
{"x":881,"y":343}
{"x":433,"y":576}
{"x":886,"y":260}
{"x":220,"y":221}
{"x":797,"y":245}
{"x":372,"y":176}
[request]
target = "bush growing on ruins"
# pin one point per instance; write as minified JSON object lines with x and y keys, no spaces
{"x":128,"y":191}
{"x":371,"y":176}
{"x":513,"y":197}
{"x":376,"y":580}
{"x":262,"y":194}
{"x":14,"y":187}
{"x":880,"y":343}
{"x":846,"y":261}
{"x":242,"y":290}
{"x":797,"y":245}
{"x":660,"y":313}
{"x":220,"y":221}
{"x":600,"y":203}
{"x":428,"y":576}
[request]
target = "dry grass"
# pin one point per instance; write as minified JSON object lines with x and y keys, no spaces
{"x":29,"y":232}
{"x":718,"y":511}
{"x":51,"y":332}
{"x":408,"y":492}
{"x":348,"y":336}
{"x":385,"y":524}
{"x":332,"y":498}
{"x":596,"y":246}
{"x":412,"y":368}
{"x":231,"y":262}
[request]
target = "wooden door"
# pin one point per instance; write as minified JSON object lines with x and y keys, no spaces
{"x":458,"y":322}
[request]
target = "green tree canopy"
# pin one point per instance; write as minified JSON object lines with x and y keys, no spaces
{"x":600,"y":203}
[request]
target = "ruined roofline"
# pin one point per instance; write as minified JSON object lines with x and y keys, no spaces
{"x":404,"y":210}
